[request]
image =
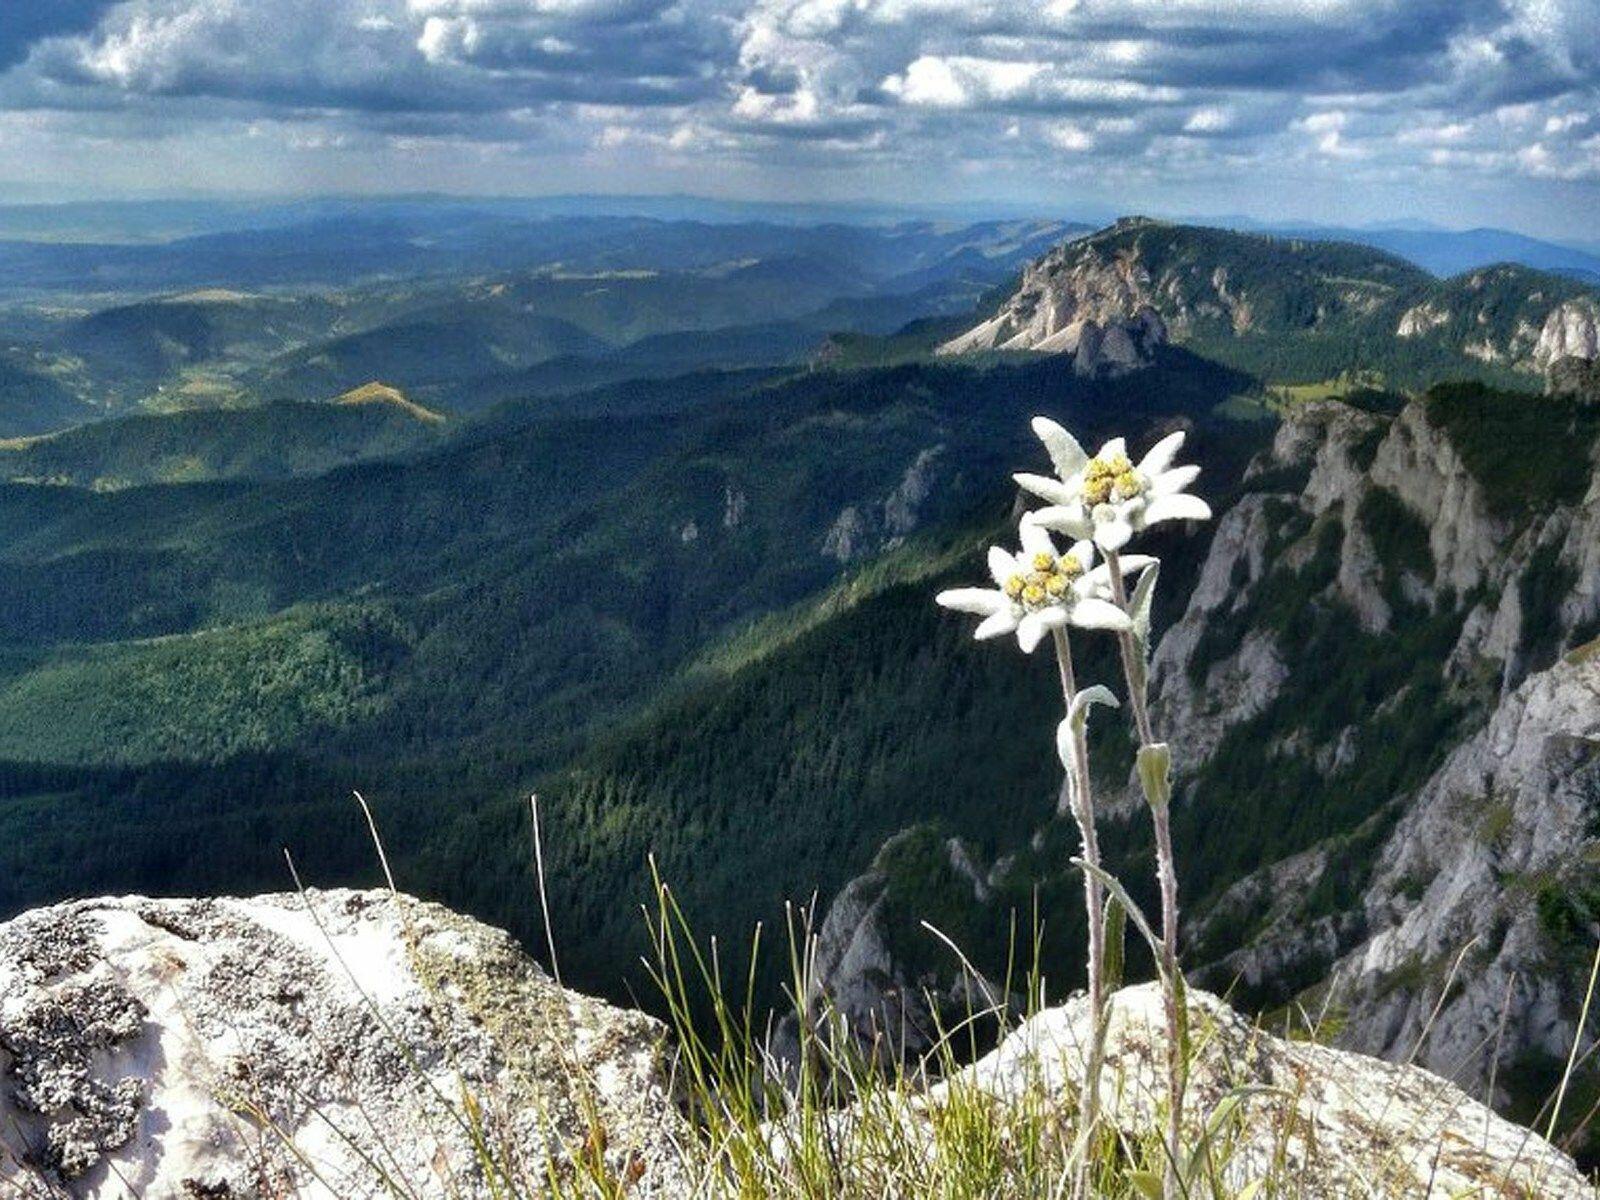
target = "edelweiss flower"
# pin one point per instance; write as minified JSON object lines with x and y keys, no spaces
{"x":1042,"y":589}
{"x":1108,"y":497}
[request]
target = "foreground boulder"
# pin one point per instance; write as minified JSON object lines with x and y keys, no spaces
{"x":308,"y":1046}
{"x":1304,"y":1119}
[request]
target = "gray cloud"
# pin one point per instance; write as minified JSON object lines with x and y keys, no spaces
{"x":1024,"y":93}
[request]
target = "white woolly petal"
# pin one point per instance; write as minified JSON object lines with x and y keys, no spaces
{"x":999,"y":624}
{"x":1162,"y":454}
{"x":1068,"y":519}
{"x":1032,"y":628}
{"x":1002,"y":566}
{"x":1114,"y":534}
{"x":1176,"y":508}
{"x":1053,"y":618}
{"x":1083,"y":551}
{"x":1029,"y":631}
{"x":1113,"y":448}
{"x":1065,"y":454}
{"x":1099,"y":614}
{"x":1034,"y":538}
{"x":982,"y":601}
{"x":1173,"y":481}
{"x":1045,"y":488}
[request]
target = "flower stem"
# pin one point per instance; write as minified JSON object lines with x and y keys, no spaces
{"x":1133,"y":669}
{"x":1080,"y":799}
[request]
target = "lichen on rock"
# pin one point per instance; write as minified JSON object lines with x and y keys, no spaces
{"x":308,"y":1045}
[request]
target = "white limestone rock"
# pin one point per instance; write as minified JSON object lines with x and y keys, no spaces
{"x":1334,"y":1123}
{"x":289,"y":1045}
{"x":1572,"y":330}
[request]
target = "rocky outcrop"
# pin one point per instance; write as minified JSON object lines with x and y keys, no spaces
{"x":1119,"y":347}
{"x":1331,"y":1123}
{"x":1141,"y":280}
{"x":1098,"y":307}
{"x":1420,"y":319}
{"x":857,"y":983}
{"x":1493,"y":843}
{"x":866,"y":528}
{"x":349,"y":1045}
{"x":1068,"y":290}
{"x":1572,"y":330}
{"x":1470,"y":866}
{"x":309,"y":1046}
{"x":1210,"y":285}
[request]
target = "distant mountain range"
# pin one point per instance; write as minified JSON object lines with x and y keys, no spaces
{"x":1439,"y":250}
{"x":1448,"y":251}
{"x":453,"y":312}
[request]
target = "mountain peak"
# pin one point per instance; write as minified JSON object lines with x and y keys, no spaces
{"x":1230,"y":294}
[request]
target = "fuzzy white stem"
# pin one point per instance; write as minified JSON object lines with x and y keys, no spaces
{"x":1082,"y":806}
{"x":1177,"y":1069}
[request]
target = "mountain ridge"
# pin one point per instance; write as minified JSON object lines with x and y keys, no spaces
{"x":1311,"y":308}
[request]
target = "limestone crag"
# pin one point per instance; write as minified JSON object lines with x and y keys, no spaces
{"x":309,"y":1046}
{"x":1454,"y":903}
{"x":1330,"y":1123}
{"x":1571,"y":331}
{"x":1514,"y":803}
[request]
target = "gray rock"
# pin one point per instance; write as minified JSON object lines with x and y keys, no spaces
{"x":1572,"y":330}
{"x":1438,"y":891}
{"x":1516,"y":801}
{"x":867,"y":995}
{"x":902,"y":507}
{"x":848,"y":538}
{"x":1334,"y":1123}
{"x":289,"y":1045}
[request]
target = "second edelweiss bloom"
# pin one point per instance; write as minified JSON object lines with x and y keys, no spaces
{"x":1109,"y":497}
{"x":1041,"y":589}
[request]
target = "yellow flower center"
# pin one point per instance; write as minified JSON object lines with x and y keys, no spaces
{"x":1105,"y":477}
{"x":1048,"y":585}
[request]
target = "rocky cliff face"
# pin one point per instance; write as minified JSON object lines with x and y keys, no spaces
{"x":1474,"y":885}
{"x":1575,"y":377}
{"x":888,"y":1009}
{"x":1191,"y":281}
{"x":1497,"y":844}
{"x":1571,"y":331}
{"x":306,"y":1046}
{"x":1214,"y":287}
{"x":1076,"y":300}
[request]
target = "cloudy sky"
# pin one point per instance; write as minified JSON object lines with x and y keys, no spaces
{"x":1455,"y":111}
